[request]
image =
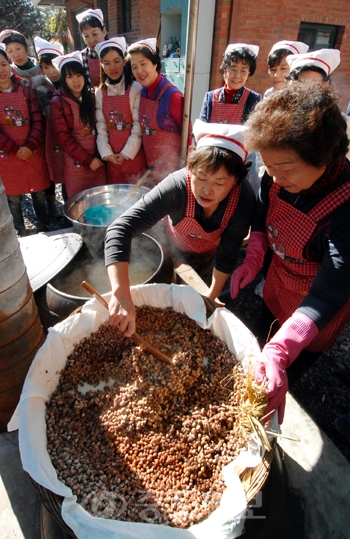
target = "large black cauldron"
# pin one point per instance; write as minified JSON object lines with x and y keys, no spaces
{"x":63,"y":294}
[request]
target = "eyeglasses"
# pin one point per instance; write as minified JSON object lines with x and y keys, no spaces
{"x":234,"y":69}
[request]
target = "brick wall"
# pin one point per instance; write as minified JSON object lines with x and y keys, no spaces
{"x":144,"y":16}
{"x":265,"y":22}
{"x":261,"y":22}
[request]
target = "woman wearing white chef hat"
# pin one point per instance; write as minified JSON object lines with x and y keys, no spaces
{"x":277,"y":64}
{"x":45,"y":86}
{"x":22,"y":127}
{"x":51,"y":80}
{"x":93,"y":31}
{"x":316,"y":65}
{"x":161,"y":110}
{"x":117,"y":112}
{"x":303,"y":217}
{"x":233,"y":102}
{"x":207,"y":208}
{"x":72,"y":114}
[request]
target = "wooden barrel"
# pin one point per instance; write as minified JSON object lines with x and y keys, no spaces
{"x":21,"y":332}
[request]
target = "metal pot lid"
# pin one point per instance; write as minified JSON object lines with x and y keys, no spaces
{"x":45,"y":255}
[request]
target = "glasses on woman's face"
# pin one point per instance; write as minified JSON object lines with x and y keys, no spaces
{"x":242,"y":70}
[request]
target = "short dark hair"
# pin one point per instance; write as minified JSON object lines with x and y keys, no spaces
{"x":212,"y":158}
{"x":15,"y":37}
{"x":154,"y":57}
{"x":92,"y":21}
{"x":3,"y":53}
{"x":302,"y":117}
{"x":275,"y":58}
{"x":294,"y":74}
{"x":243,"y":55}
{"x":46,"y":58}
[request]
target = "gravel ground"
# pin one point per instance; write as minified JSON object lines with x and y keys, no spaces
{"x":54,"y":223}
{"x":323,"y":391}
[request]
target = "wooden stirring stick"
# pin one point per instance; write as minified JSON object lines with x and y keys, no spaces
{"x":140,"y":341}
{"x":138,"y":184}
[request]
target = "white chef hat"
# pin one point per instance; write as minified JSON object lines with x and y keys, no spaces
{"x":235,"y":46}
{"x":229,"y":136}
{"x":91,"y":13}
{"x":327,"y":59}
{"x":59,"y":61}
{"x":150,"y":43}
{"x":44,"y":47}
{"x":296,"y":47}
{"x":116,"y":42}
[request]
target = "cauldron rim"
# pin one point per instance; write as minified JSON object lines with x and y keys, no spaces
{"x":95,"y":191}
{"x":150,"y":280}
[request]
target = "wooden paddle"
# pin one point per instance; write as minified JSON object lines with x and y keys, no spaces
{"x":138,"y":184}
{"x":140,"y":341}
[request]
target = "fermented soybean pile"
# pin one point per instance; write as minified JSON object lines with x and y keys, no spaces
{"x":149,"y":443}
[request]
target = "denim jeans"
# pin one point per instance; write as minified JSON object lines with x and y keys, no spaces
{"x":39,"y":204}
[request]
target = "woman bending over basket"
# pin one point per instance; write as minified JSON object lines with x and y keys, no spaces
{"x":303,"y":216}
{"x":208,"y":208}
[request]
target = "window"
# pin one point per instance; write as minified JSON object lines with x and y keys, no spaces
{"x":104,"y":8}
{"x":318,"y":36}
{"x":126,"y":15}
{"x":78,"y":40}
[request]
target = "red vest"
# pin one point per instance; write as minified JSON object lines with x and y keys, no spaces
{"x":227,"y":113}
{"x":189,"y":236}
{"x":290,"y":275}
{"x":94,"y":70}
{"x":54,"y":156}
{"x":118,"y":117}
{"x":162,"y":148}
{"x":20,"y":177}
{"x":79,"y":177}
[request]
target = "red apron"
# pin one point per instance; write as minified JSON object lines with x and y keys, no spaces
{"x":290,"y":275}
{"x":162,"y":148}
{"x":94,"y":70}
{"x":20,"y":177}
{"x":117,"y":113}
{"x":54,"y":156}
{"x":228,"y":113}
{"x":79,"y":177}
{"x":189,"y":236}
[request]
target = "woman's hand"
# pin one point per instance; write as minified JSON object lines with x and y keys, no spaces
{"x":254,"y":258}
{"x":96,"y":163}
{"x":122,"y":313}
{"x":278,"y":354}
{"x":112,"y":159}
{"x":121,"y":307}
{"x":120,"y":159}
{"x":116,"y":159}
{"x":24,"y":153}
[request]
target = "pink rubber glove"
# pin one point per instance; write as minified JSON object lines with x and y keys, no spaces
{"x":279,"y":353}
{"x":254,"y":258}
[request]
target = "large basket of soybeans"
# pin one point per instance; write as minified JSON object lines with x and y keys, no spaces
{"x":124,"y":445}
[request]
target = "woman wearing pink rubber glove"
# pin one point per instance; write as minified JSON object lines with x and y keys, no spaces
{"x":303,"y":214}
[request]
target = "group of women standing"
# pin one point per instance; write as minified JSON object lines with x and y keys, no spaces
{"x":109,"y":118}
